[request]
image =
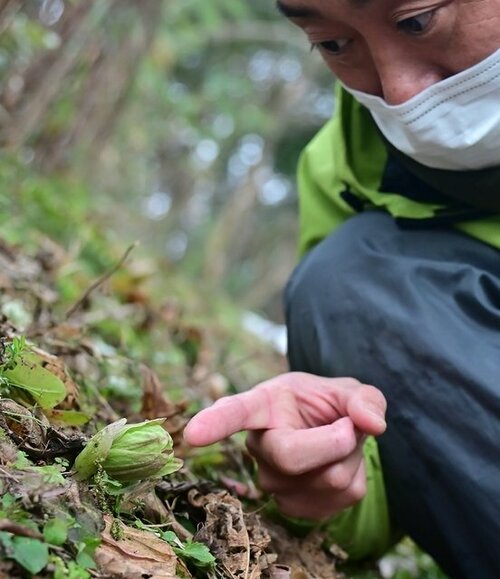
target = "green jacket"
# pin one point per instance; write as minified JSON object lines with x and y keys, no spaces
{"x":343,"y":170}
{"x":346,"y":169}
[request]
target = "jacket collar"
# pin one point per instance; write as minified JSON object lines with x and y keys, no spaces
{"x":479,"y":188}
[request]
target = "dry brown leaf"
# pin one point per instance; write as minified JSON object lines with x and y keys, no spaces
{"x":8,"y":451}
{"x":236,"y":539}
{"x":66,"y":333}
{"x":137,"y":554}
{"x":5,"y":284}
{"x":17,"y":266}
{"x":156,"y":404}
{"x":21,"y":425}
{"x":50,"y":255}
{"x":305,"y":557}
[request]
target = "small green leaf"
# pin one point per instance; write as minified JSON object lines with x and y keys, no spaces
{"x":31,"y":554}
{"x":8,"y":500}
{"x":6,"y":540}
{"x":172,"y":538}
{"x":71,"y":570}
{"x":22,"y":461}
{"x":86,"y":550}
{"x":46,"y":388}
{"x":169,"y":536}
{"x":51,"y":474}
{"x":197,"y":553}
{"x":68,"y":417}
{"x":55,"y":531}
{"x":75,"y":571}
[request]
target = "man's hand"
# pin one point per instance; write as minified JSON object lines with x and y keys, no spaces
{"x":306,"y":433}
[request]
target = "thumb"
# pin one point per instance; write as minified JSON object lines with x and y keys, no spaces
{"x":366,"y":406}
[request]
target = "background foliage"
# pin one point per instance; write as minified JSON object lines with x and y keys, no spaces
{"x":175,"y":122}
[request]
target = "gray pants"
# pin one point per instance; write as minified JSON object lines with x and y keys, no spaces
{"x":417,"y":314}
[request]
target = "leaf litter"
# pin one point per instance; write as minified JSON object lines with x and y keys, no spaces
{"x":70,"y":370}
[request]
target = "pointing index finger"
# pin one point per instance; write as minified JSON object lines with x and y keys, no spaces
{"x":231,"y":414}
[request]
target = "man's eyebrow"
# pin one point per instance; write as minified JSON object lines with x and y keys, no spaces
{"x":297,"y":11}
{"x":306,"y":12}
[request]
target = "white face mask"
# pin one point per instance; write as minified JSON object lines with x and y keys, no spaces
{"x":454,"y":124}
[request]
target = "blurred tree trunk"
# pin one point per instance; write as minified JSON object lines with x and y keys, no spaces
{"x":65,"y":28}
{"x":6,"y":5}
{"x":106,"y":88}
{"x":229,"y":224}
{"x":28,"y":74}
{"x":149,"y":13}
{"x":45,"y":85}
{"x":7,"y":9}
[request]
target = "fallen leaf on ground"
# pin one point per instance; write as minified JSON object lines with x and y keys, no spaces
{"x":137,"y":553}
{"x":156,"y":404}
{"x":305,"y":557}
{"x":236,"y":539}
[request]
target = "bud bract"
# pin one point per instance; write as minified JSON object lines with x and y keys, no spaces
{"x":129,"y":452}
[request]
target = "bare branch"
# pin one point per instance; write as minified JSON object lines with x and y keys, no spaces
{"x":98,"y":282}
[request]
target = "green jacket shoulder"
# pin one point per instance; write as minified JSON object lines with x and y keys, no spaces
{"x":341,"y":172}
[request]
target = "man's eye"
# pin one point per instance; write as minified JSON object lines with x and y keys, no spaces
{"x":416,"y":24}
{"x":332,"y":46}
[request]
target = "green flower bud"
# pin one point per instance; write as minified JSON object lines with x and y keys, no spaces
{"x":129,"y":453}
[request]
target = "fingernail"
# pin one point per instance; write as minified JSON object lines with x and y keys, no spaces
{"x":380,"y":422}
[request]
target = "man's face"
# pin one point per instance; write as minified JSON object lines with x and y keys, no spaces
{"x":397,"y":48}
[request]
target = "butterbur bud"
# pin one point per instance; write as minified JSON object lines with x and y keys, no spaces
{"x":129,"y":452}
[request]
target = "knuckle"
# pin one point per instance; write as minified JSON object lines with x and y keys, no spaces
{"x":339,"y":478}
{"x":285,"y":459}
{"x":292,"y":382}
{"x":375,"y":396}
{"x":351,"y":383}
{"x":345,"y":441}
{"x":357,"y":490}
{"x":267,"y":483}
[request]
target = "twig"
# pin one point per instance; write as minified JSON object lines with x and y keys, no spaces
{"x":6,"y":474}
{"x":19,"y":530}
{"x":228,"y":571}
{"x":247,"y":546}
{"x":99,"y":281}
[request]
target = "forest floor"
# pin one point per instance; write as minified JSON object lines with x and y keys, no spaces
{"x":80,"y":352}
{"x":67,"y":371}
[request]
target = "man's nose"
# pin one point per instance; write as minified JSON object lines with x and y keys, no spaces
{"x":400,"y":81}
